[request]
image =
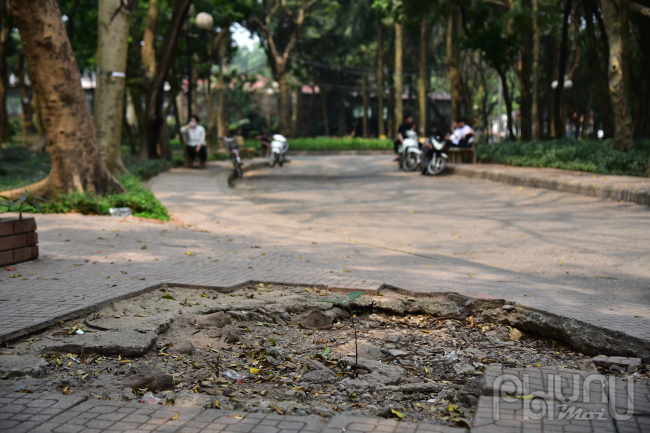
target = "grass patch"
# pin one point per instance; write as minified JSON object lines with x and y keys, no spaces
{"x":570,"y":154}
{"x":334,"y":144}
{"x":19,"y":167}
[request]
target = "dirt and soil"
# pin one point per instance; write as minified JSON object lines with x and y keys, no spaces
{"x":296,"y":352}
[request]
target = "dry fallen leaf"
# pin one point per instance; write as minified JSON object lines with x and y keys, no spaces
{"x":515,"y":334}
{"x":175,"y":416}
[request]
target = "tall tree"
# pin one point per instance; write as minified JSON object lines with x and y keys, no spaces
{"x":422,"y":90}
{"x":453,"y":61}
{"x":277,"y":57}
{"x":156,"y":72}
{"x":399,"y":109}
{"x":380,"y":80}
{"x":558,"y":121}
{"x":525,"y":71}
{"x":76,"y":161}
{"x":112,"y":45}
{"x":536,"y":130}
{"x":615,"y":18}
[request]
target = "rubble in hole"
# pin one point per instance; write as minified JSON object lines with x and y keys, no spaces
{"x":280,"y":349}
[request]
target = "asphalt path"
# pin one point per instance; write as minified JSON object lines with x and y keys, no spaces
{"x":599,"y":244}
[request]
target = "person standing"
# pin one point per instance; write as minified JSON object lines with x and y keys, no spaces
{"x":195,"y":134}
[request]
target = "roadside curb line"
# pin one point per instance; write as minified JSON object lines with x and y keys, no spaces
{"x":610,"y":191}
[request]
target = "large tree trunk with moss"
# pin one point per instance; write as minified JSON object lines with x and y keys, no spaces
{"x":615,"y":16}
{"x":453,"y":63}
{"x":76,"y":161}
{"x":113,"y":21}
{"x":422,"y":89}
{"x":5,"y":39}
{"x":399,"y":109}
{"x":380,"y":82}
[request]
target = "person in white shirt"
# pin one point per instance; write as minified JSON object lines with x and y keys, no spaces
{"x":461,"y":134}
{"x":195,"y":145}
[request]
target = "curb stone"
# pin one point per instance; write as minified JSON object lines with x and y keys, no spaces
{"x":578,"y":183}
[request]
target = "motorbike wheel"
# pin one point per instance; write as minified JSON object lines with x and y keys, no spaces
{"x":437,"y":165}
{"x":411,"y":162}
{"x":274,"y":159}
{"x":281,"y":162}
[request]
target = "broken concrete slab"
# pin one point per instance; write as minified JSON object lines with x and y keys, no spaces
{"x":320,"y":376}
{"x":21,"y":365}
{"x":366,"y":350}
{"x":184,"y":348}
{"x":123,"y":342}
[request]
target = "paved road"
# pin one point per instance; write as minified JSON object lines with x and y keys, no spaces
{"x":598,"y":244}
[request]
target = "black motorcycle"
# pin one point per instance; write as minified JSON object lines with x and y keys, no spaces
{"x":232,"y":145}
{"x":434,"y":159}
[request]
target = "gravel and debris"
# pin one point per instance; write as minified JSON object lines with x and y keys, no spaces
{"x":281,"y":349}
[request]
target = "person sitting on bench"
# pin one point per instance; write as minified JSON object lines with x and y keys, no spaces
{"x":461,"y":135}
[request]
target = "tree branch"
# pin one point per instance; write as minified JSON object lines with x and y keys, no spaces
{"x":643,"y":10}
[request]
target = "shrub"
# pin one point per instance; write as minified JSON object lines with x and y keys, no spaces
{"x":570,"y":154}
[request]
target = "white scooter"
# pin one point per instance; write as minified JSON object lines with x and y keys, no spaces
{"x":410,"y":152}
{"x":279,"y":148}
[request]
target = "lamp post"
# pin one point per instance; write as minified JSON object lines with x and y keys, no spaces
{"x":204,"y":21}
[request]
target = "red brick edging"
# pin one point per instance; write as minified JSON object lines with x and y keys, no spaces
{"x":18,"y":240}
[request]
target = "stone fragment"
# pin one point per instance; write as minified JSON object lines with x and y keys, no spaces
{"x":219,"y":320}
{"x":427,"y":387}
{"x":21,"y":365}
{"x":337,"y":314}
{"x":397,"y":352}
{"x":380,"y":373}
{"x":501,"y":333}
{"x":629,"y":364}
{"x":463,"y":368}
{"x":376,"y":318}
{"x":586,"y":365}
{"x":315,"y":319}
{"x":123,"y":342}
{"x":230,"y":335}
{"x":188,"y":399}
{"x":470,"y":392}
{"x":366,"y":350}
{"x":320,"y":376}
{"x":184,"y":348}
{"x":152,"y":380}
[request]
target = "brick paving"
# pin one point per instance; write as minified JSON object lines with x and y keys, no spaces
{"x":90,"y":260}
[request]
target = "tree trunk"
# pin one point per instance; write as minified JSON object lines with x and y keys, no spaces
{"x":294,"y":113}
{"x":221,"y":100}
{"x":422,"y":91}
{"x":380,"y":82}
{"x":524,"y":81}
{"x":508,"y":101}
{"x":613,"y":14}
{"x":536,"y":133}
{"x":154,"y":115}
{"x":5,"y":40}
{"x":342,"y":117}
{"x":136,"y":99}
{"x":559,"y":90}
{"x":366,"y":104}
{"x":399,"y":109}
{"x":326,"y":122}
{"x":76,"y":162}
{"x":453,"y":64}
{"x":27,"y":112}
{"x":112,"y":45}
{"x":285,"y":114}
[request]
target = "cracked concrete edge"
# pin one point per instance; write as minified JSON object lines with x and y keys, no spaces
{"x":586,"y":337}
{"x":614,"y":192}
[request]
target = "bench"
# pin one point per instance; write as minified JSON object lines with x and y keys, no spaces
{"x":247,"y":152}
{"x":460,"y":155}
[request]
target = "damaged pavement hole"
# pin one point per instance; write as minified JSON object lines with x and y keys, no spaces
{"x":272,"y":348}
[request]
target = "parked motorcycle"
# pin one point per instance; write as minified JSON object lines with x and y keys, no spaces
{"x":279,"y":148}
{"x":410,"y":153}
{"x":434,"y":159}
{"x":233,"y":146}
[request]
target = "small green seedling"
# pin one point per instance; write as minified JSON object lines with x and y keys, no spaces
{"x":348,"y":304}
{"x":17,"y":206}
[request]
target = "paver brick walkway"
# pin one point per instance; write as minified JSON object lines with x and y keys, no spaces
{"x":89,"y":260}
